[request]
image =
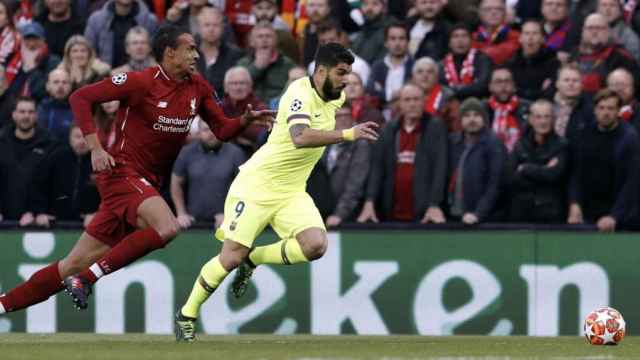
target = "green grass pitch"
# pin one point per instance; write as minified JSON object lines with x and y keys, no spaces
{"x":267,"y":347}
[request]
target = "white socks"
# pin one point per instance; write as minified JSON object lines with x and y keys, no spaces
{"x":2,"y":310}
{"x":96,"y":270}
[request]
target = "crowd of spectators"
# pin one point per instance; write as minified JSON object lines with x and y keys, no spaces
{"x":490,"y":110}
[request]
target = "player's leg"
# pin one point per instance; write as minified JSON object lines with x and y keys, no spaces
{"x":303,"y":239}
{"x":48,"y":280}
{"x":243,"y":222}
{"x":160,"y":227}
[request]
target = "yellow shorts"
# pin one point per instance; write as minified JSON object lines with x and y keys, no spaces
{"x":244,"y":220}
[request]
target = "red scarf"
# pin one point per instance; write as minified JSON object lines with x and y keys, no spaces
{"x":629,"y":8}
{"x":15,"y":65}
{"x":626,"y":113}
{"x":433,"y":100}
{"x":483,"y":36}
{"x":505,"y":124}
{"x":466,"y":74}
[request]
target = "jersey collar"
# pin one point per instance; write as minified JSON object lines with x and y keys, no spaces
{"x":313,"y":85}
{"x":164,"y":75}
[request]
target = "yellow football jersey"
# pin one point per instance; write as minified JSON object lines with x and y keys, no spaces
{"x":278,"y":170}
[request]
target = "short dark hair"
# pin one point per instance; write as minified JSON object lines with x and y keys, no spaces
{"x":395,"y":25}
{"x":605,"y":94}
{"x":166,"y":36}
{"x":533,"y":21}
{"x":328,"y":25}
{"x":24,"y":98}
{"x":332,"y":54}
{"x":460,"y":26}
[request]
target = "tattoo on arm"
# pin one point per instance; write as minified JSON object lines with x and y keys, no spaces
{"x":297,"y":129}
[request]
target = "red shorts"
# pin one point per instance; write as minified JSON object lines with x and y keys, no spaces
{"x":118,"y":213}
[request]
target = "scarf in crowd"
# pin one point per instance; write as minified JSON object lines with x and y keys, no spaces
{"x":484,"y":36}
{"x":433,"y":100}
{"x":592,"y":79}
{"x":556,"y":38}
{"x":505,"y":125}
{"x":466,"y":74}
{"x":629,"y":8}
{"x":626,"y":113}
{"x":15,"y":65}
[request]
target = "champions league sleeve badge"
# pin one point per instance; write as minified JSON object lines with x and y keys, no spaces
{"x":296,"y":105}
{"x":119,"y":79}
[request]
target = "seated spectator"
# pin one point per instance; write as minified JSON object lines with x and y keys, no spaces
{"x":622,"y":82}
{"x":494,"y":36}
{"x":217,"y":56}
{"x":439,"y":100}
{"x":267,"y":11}
{"x":507,"y":113}
{"x":9,"y":36}
{"x":107,"y":28}
{"x":409,"y":165}
{"x":598,"y":55}
{"x":428,"y":30}
{"x":105,"y":119}
{"x":138,"y":49}
{"x":476,"y":163}
{"x":338,"y":181}
{"x":64,"y":189}
{"x":237,"y":95}
{"x":201,"y":177}
{"x":318,"y":11}
{"x":370,"y":41}
{"x":329,"y":31}
{"x":622,"y":34}
{"x":534,"y":66}
{"x":54,"y":111}
{"x":539,"y":164}
{"x":571,"y":107}
{"x":268,"y":68}
{"x":28,"y":76}
{"x":60,"y":20}
{"x":604,"y":180}
{"x":558,"y":26}
{"x":394,"y":70}
{"x":81,"y":63}
{"x":363,"y":107}
{"x":465,"y":70}
{"x":23,"y":151}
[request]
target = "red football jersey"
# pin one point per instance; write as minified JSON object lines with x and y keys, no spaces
{"x":154,"y":118}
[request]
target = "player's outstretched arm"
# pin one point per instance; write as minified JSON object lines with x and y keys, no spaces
{"x":304,"y":136}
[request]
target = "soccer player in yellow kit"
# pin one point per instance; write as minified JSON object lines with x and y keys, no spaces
{"x":270,"y":188}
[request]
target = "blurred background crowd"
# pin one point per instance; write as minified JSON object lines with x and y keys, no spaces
{"x":490,"y":111}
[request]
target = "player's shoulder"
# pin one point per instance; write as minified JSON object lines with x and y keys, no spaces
{"x":141,"y":79}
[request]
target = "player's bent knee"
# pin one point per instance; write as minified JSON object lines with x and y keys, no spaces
{"x":316,"y":248}
{"x":169,"y":231}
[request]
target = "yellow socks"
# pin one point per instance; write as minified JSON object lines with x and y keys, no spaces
{"x":287,"y":251}
{"x":211,"y":276}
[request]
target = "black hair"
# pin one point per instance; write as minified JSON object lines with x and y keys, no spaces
{"x":533,"y":21}
{"x":328,"y":25}
{"x":24,"y":98}
{"x":166,"y":36}
{"x":395,"y":25}
{"x":460,"y":26}
{"x":332,"y":54}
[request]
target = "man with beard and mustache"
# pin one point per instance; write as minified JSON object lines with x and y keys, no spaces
{"x":206,"y":168}
{"x":604,"y":181}
{"x":476,"y":163}
{"x":270,"y":188}
{"x":267,"y":11}
{"x":23,"y":148}
{"x":409,"y":166}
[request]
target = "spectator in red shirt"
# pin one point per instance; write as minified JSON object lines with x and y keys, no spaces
{"x":494,"y":36}
{"x":408,"y":167}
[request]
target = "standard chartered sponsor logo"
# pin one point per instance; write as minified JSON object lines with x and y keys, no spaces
{"x":173,"y":125}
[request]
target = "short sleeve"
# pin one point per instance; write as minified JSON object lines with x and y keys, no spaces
{"x":298,"y":109}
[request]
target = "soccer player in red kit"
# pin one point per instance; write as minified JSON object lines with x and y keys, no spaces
{"x":157,"y":107}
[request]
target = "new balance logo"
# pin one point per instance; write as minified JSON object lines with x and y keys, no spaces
{"x":162,"y":104}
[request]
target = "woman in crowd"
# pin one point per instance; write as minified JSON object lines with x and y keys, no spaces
{"x":81,"y":63}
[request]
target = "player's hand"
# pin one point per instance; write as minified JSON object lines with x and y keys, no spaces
{"x":368,"y":213}
{"x":218,"y":218}
{"x":101,"y":160}
{"x":575,"y":214}
{"x":607,"y":224}
{"x":470,"y":219}
{"x":44,"y":220}
{"x":264,"y":117}
{"x":433,"y":215}
{"x":263,"y":58}
{"x":185,"y":220}
{"x":553,"y":162}
{"x":26,"y":219}
{"x":333,"y":221}
{"x":367,"y":130}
